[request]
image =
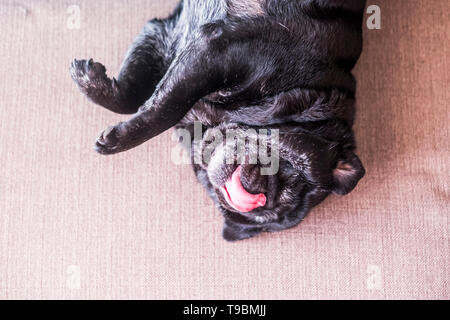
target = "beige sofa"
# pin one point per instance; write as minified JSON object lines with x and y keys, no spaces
{"x":74,"y":224}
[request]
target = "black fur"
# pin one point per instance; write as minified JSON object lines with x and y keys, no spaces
{"x":275,"y":64}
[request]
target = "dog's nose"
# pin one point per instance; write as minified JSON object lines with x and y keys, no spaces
{"x":238,"y":197}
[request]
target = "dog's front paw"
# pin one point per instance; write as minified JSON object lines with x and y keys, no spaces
{"x":112,"y":140}
{"x":91,"y":78}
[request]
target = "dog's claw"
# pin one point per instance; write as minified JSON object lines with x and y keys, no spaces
{"x":107,"y":139}
{"x":112,"y":139}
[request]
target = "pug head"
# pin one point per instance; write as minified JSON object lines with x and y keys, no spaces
{"x":257,"y":195}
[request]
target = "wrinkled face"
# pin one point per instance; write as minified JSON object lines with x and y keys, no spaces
{"x":253,"y":200}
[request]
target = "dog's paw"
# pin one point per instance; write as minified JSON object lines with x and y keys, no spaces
{"x":112,"y":140}
{"x":91,"y":78}
{"x":109,"y":140}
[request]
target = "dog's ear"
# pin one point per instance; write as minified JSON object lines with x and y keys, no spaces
{"x":349,"y":170}
{"x":234,"y":232}
{"x":316,"y":158}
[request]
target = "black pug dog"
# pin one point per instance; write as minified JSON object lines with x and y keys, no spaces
{"x":280,"y":65}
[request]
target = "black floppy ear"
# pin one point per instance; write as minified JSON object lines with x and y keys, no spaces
{"x":234,"y":232}
{"x":347,"y":174}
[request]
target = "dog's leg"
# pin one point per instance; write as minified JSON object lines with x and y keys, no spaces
{"x":201,"y":68}
{"x":142,"y":69}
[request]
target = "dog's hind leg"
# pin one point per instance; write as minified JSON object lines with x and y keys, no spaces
{"x":144,"y":66}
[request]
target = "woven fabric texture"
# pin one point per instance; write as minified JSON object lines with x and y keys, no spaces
{"x":74,"y":224}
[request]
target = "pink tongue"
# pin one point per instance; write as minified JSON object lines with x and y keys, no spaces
{"x":238,"y":197}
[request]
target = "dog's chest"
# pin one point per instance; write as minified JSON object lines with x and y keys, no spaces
{"x":245,"y":7}
{"x":208,"y":10}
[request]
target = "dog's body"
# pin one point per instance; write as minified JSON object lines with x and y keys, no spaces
{"x":230,"y":64}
